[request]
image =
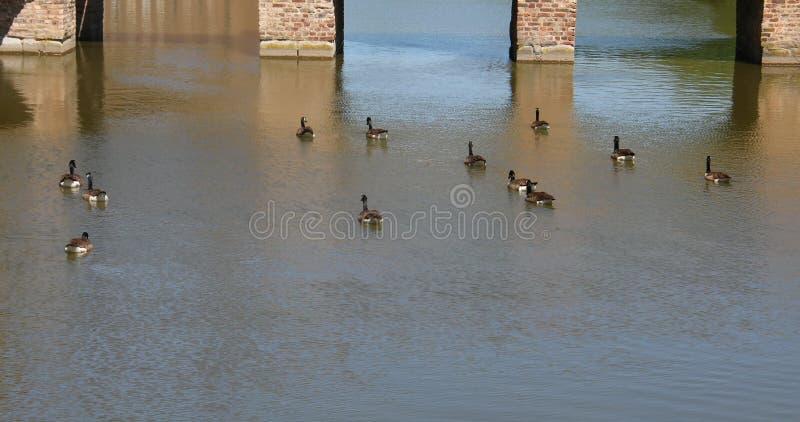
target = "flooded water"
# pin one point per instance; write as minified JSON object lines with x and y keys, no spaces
{"x":644,"y":292}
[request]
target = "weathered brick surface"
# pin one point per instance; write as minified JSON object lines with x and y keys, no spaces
{"x":780,"y":32}
{"x":297,"y":20}
{"x":37,"y":26}
{"x":38,"y":19}
{"x":545,"y":29}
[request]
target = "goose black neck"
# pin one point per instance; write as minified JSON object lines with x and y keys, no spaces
{"x":302,"y":123}
{"x":71,"y":169}
{"x":528,"y":187}
{"x":708,"y":164}
{"x":470,"y":149}
{"x":90,"y":182}
{"x":616,"y":143}
{"x":369,"y":124}
{"x":365,"y":205}
{"x":537,"y":114}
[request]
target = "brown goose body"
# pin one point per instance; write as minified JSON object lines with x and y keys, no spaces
{"x":621,"y":154}
{"x":71,"y":179}
{"x":539,"y":124}
{"x":79,"y":245}
{"x":374,"y":132}
{"x":472,"y":159}
{"x":93,"y":195}
{"x":367,"y":215}
{"x":517,"y":184}
{"x":715,"y":176}
{"x":304,"y":131}
{"x":475,"y":160}
{"x":537,"y":197}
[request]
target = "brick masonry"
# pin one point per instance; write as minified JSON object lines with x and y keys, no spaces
{"x":543,"y":30}
{"x":780,"y":32}
{"x":37,"y":26}
{"x":297,"y":28}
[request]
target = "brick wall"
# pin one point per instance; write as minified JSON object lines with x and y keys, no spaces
{"x":780,"y":32}
{"x":37,"y":26}
{"x":544,"y":30}
{"x":297,"y":28}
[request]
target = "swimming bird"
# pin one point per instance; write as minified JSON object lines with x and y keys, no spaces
{"x":304,"y":131}
{"x":94,"y":195}
{"x":621,"y":154}
{"x":516,"y":184}
{"x":79,"y":245}
{"x":376,"y":133}
{"x":715,"y":176}
{"x":474,"y":160}
{"x":538,"y":198}
{"x":367,"y":215}
{"x":539,"y":124}
{"x":71,"y":180}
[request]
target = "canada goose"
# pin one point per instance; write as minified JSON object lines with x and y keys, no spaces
{"x":367,"y":215}
{"x":621,"y":154}
{"x":71,"y":180}
{"x":94,"y":195}
{"x":376,"y":133}
{"x":474,"y":160}
{"x":304,"y":131}
{"x":79,"y":245}
{"x":537,"y":198}
{"x":715,"y":176}
{"x":539,"y":124}
{"x":516,"y":184}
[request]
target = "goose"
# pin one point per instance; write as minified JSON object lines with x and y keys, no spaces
{"x":79,"y":245}
{"x":715,"y":176}
{"x":71,"y":180}
{"x":376,"y":133}
{"x":94,"y":195}
{"x":539,"y":124}
{"x":517,"y":184}
{"x":367,"y":215}
{"x":474,"y":160}
{"x":538,"y":198}
{"x":304,"y":131}
{"x":621,"y":154}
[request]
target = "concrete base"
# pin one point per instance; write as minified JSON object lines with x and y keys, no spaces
{"x":298,"y":49}
{"x":11,"y":45}
{"x":549,"y":54}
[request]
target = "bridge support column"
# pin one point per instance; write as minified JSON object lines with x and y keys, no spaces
{"x":543,"y":30}
{"x":89,"y":20}
{"x":299,"y":28}
{"x":37,"y":26}
{"x":768,"y":31}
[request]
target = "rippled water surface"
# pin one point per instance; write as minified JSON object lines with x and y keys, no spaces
{"x":646,"y":293}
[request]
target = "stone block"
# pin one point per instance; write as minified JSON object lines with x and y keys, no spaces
{"x":10,"y":45}
{"x":316,"y":49}
{"x":278,"y":49}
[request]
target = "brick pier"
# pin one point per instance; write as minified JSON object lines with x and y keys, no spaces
{"x":48,"y":26}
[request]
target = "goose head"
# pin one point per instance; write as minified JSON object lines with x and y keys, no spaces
{"x":511,"y":175}
{"x":85,"y":236}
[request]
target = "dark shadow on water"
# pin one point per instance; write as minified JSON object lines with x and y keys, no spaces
{"x":746,"y":83}
{"x":14,"y":111}
{"x":91,"y":86}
